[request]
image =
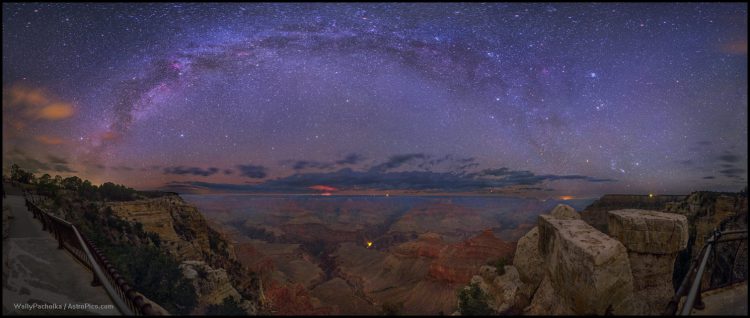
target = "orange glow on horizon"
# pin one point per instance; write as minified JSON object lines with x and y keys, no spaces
{"x":323,"y":188}
{"x":566,"y":197}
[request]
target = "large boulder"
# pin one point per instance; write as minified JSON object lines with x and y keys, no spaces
{"x":527,"y":258}
{"x":650,"y":232}
{"x":547,"y":302}
{"x":529,"y":262}
{"x":653,"y":240}
{"x":588,"y":270}
{"x":565,"y":212}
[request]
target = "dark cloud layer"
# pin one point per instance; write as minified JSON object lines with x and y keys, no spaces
{"x":348,"y":179}
{"x":732,"y":172}
{"x":728,"y":157}
{"x":253,"y":171}
{"x":191,"y":170}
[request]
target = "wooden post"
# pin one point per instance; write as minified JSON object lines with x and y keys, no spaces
{"x":59,"y":240}
{"x":95,"y":281}
{"x":698,"y":304}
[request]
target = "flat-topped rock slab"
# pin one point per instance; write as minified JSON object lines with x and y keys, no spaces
{"x":652,"y":232}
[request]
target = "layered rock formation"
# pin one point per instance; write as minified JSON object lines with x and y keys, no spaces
{"x":211,"y":285}
{"x":707,"y":211}
{"x":565,"y":266}
{"x":456,"y":263}
{"x":177,"y":223}
{"x":423,"y":275}
{"x":207,"y":258}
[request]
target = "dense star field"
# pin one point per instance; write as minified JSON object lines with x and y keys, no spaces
{"x":530,"y":99}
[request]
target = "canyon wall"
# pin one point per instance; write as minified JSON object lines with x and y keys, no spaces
{"x":207,"y":258}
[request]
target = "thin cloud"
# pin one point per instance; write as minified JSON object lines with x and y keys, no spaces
{"x":253,"y":171}
{"x":180,"y":170}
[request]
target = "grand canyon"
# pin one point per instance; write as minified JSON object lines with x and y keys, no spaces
{"x":374,"y":158}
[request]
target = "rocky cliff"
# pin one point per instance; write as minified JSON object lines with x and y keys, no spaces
{"x":207,"y":258}
{"x":565,"y":266}
{"x":707,"y":211}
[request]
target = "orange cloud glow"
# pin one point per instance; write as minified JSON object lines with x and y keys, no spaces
{"x":36,"y":104}
{"x":109,"y":135}
{"x":49,"y":140}
{"x":55,"y":111}
{"x":737,"y":47}
{"x":323,"y":188}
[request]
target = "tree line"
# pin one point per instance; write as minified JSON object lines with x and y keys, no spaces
{"x":48,"y":185}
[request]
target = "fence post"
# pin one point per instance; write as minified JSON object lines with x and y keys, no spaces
{"x":95,"y":281}
{"x":698,"y":304}
{"x":59,"y":240}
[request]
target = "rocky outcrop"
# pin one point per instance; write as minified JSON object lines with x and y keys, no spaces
{"x":529,"y":262}
{"x":596,"y":213}
{"x":546,"y":301}
{"x":653,"y":240}
{"x":565,"y":212}
{"x":588,"y":270}
{"x":211,"y":285}
{"x":207,"y":257}
{"x":502,"y":289}
{"x":706,"y":211}
{"x":564,"y":266}
{"x":178,"y":224}
{"x":649,"y":232}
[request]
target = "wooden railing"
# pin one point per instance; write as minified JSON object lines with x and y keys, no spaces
{"x":125,"y":297}
{"x":701,"y":274}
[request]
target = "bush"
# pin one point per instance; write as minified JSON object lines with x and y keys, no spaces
{"x":499,"y":265}
{"x":229,"y":307}
{"x":472,"y":301}
{"x":155,"y":275}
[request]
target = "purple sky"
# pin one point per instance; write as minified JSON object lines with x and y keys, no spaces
{"x":551,"y":99}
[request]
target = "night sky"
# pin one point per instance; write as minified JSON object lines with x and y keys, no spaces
{"x":529,"y":99}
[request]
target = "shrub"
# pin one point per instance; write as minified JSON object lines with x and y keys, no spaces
{"x":472,"y":301}
{"x":229,"y":307}
{"x":499,"y":265}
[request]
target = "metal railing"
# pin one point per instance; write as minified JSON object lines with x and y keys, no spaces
{"x":693,"y":284}
{"x":125,"y":298}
